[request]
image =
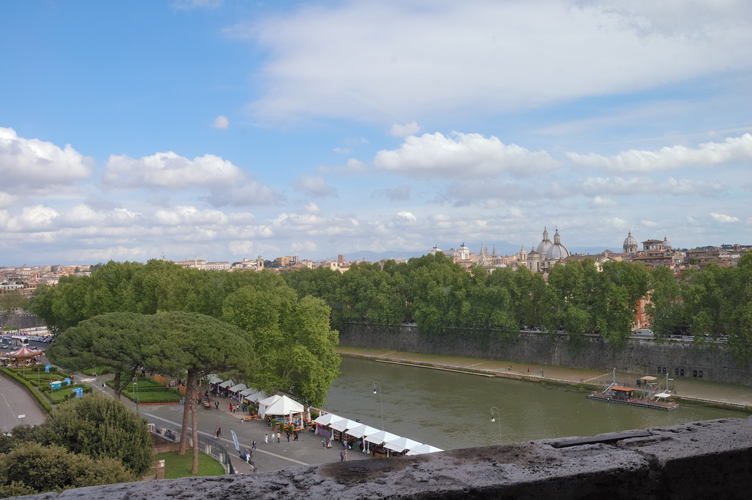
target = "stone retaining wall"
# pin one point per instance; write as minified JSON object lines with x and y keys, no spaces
{"x":700,"y":460}
{"x":640,"y":356}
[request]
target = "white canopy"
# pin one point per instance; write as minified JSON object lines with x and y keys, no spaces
{"x":254,"y":395}
{"x":247,"y":391}
{"x":401,"y":444}
{"x":266,"y":403}
{"x":227,"y":383}
{"x":381,"y":437}
{"x":663,"y":395}
{"x":213,"y":379}
{"x":237,"y":388}
{"x":344,"y":424}
{"x":424,"y":448}
{"x":327,"y":419}
{"x":361,"y":430}
{"x":284,"y":406}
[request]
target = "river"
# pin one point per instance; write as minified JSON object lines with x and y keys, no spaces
{"x":452,"y":410}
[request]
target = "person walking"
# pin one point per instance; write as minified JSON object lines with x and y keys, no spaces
{"x":266,"y":438}
{"x":218,"y":432}
{"x":279,"y":436}
{"x":230,"y":407}
{"x":216,"y":405}
{"x":253,"y":445}
{"x":288,"y":436}
{"x":341,"y":456}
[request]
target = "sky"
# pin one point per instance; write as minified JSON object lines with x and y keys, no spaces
{"x":227,"y":129}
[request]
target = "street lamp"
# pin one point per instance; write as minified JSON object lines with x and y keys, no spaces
{"x":381,"y":402}
{"x":493,"y":419}
{"x":135,"y":390}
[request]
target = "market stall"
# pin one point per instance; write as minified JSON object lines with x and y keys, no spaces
{"x":401,"y":445}
{"x":422,"y":449}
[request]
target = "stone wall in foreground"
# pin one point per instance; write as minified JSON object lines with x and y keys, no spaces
{"x":640,"y":356}
{"x":701,"y":460}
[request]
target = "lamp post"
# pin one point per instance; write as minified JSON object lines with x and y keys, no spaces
{"x":381,"y":402}
{"x":493,"y":419}
{"x":135,"y":391}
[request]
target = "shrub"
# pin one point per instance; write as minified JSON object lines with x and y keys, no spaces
{"x":29,"y":387}
{"x":33,"y":468}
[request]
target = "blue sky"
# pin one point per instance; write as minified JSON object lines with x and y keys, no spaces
{"x":224,"y":129}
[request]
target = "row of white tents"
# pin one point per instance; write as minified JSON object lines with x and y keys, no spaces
{"x":272,"y":405}
{"x":374,"y":436}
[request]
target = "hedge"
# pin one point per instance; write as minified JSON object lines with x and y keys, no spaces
{"x":29,"y":387}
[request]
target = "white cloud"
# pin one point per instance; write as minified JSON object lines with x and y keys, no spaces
{"x":404,"y":130}
{"x":649,"y":223}
{"x":407,"y":215}
{"x":406,"y":58}
{"x":170,"y":172}
{"x":710,"y":153}
{"x":186,"y":215}
{"x":306,"y":246}
{"x":312,"y":208}
{"x":723,"y":218}
{"x":599,"y":201}
{"x":251,"y":192}
{"x":464,"y":156}
{"x":617,"y":223}
{"x":241,"y":247}
{"x":315,"y":186}
{"x":32,"y":166}
{"x":6,"y":199}
{"x":221,"y":122}
{"x":341,"y":151}
{"x":33,"y":219}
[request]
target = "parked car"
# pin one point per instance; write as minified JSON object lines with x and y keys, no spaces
{"x":644,"y":331}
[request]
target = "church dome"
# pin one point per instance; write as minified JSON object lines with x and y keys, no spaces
{"x":666,"y":243}
{"x":630,"y":244}
{"x":557,"y":250}
{"x":545,"y":245}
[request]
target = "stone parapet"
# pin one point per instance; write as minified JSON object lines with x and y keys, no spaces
{"x":701,"y":460}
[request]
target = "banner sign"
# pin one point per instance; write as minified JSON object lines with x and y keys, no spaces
{"x":235,"y":440}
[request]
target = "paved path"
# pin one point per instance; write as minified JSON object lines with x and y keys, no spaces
{"x":685,"y":387}
{"x":267,"y":457}
{"x":15,"y":401}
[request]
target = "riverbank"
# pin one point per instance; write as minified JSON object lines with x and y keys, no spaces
{"x":714,"y":394}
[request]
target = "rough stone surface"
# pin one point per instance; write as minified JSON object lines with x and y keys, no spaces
{"x":689,"y":461}
{"x":641,"y":356}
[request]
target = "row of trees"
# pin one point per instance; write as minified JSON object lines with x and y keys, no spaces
{"x":94,"y":441}
{"x":438,"y":296}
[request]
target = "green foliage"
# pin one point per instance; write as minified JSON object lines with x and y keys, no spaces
{"x":29,"y":387}
{"x":12,"y":300}
{"x":31,"y":468}
{"x":98,"y":427}
{"x":177,"y":466}
{"x":148,"y":390}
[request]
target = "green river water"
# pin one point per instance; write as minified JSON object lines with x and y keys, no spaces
{"x":452,"y":410}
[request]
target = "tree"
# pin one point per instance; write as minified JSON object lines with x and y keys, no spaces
{"x":11,"y":301}
{"x":98,"y":427}
{"x":194,"y":345}
{"x":34,"y":468}
{"x":115,"y":340}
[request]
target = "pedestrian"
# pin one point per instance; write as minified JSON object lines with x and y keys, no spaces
{"x":341,"y":456}
{"x":528,"y":369}
{"x":266,"y":438}
{"x":288,"y":436}
{"x":216,"y":405}
{"x":345,"y":452}
{"x":279,"y":437}
{"x":230,"y":407}
{"x":218,"y":432}
{"x":323,"y":443}
{"x":253,"y":445}
{"x":296,"y":436}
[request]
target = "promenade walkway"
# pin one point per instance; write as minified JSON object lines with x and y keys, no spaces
{"x":15,"y":401}
{"x":685,"y":387}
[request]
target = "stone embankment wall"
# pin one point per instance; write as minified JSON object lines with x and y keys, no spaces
{"x":20,"y":320}
{"x":640,"y":356}
{"x":701,"y":460}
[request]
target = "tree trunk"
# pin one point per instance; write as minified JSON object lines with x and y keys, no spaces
{"x":194,"y":423}
{"x":190,"y":387}
{"x":116,"y":385}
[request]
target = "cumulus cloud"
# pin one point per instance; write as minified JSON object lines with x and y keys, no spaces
{"x":409,"y":58}
{"x":221,"y":122}
{"x":461,"y":156}
{"x":619,"y":186}
{"x":186,"y":215}
{"x":600,"y":202}
{"x":32,"y":166}
{"x":315,"y":186}
{"x":407,"y":216}
{"x":404,"y":130}
{"x":32,"y":219}
{"x":6,"y":199}
{"x":723,"y":218}
{"x":312,"y":208}
{"x":249,"y":193}
{"x":709,"y":153}
{"x":400,"y":193}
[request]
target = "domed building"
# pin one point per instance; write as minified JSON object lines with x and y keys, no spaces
{"x":666,"y":243}
{"x":630,"y":244}
{"x":557,"y":251}
{"x":545,"y":244}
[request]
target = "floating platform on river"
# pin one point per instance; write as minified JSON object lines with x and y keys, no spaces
{"x":625,"y":396}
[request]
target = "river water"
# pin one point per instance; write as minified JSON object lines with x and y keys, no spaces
{"x":452,"y":410}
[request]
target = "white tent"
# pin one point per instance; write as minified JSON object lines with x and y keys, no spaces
{"x":422,"y":449}
{"x":247,"y":391}
{"x":227,"y":383}
{"x":361,"y":430}
{"x":266,"y":403}
{"x":254,"y":395}
{"x":284,"y":406}
{"x":401,"y":444}
{"x":213,"y":379}
{"x":237,"y":388}
{"x":381,"y":437}
{"x":327,"y":419}
{"x":344,"y":424}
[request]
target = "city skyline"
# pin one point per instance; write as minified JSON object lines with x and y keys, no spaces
{"x":222,"y":129}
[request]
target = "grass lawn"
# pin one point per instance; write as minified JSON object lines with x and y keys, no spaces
{"x":180,"y":466}
{"x":150,"y":391}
